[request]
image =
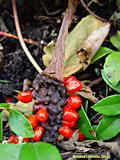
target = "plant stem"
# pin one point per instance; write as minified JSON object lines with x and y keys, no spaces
{"x":9,"y":35}
{"x":91,"y":12}
{"x":28,"y":54}
{"x":56,"y":67}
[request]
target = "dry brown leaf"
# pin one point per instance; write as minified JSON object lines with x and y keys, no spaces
{"x":87,"y":93}
{"x":81,"y":44}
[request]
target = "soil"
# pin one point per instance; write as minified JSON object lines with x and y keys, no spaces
{"x":43,"y":27}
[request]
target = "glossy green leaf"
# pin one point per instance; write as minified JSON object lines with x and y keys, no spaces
{"x":20,"y":125}
{"x":111,"y":68}
{"x":116,"y":88}
{"x":101,"y":53}
{"x":10,"y":151}
{"x":1,"y":127}
{"x":24,"y":153}
{"x":30,"y":151}
{"x":108,"y":127}
{"x":4,"y":106}
{"x":46,"y":151}
{"x":85,"y":106}
{"x":108,"y":106}
{"x":115,"y":40}
{"x":84,"y":124}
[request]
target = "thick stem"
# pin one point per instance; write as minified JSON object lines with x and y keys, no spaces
{"x":56,"y":67}
{"x":28,"y":54}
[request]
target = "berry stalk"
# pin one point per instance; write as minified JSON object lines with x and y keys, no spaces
{"x":56,"y":67}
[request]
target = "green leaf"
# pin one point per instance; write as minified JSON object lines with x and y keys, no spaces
{"x":115,"y":40}
{"x":108,"y":127}
{"x":101,"y":53}
{"x":1,"y":127}
{"x":117,"y":88}
{"x":111,"y":68}
{"x":30,"y":151}
{"x":20,"y":125}
{"x":84,"y":125}
{"x":10,"y":151}
{"x":5,"y":106}
{"x":46,"y":151}
{"x":25,"y":150}
{"x":109,"y":106}
{"x":85,"y":106}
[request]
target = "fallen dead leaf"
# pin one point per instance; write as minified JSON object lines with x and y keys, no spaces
{"x":87,"y":93}
{"x":81,"y":44}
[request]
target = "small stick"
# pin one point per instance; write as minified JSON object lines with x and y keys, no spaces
{"x":95,"y":82}
{"x":28,"y":54}
{"x":9,"y":35}
{"x":91,"y":12}
{"x":47,"y":12}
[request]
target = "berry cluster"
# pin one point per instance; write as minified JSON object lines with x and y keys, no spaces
{"x":53,"y":113}
{"x":74,"y":102}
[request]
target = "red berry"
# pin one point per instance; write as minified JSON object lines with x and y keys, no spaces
{"x":26,"y":139}
{"x":65,"y":131}
{"x":38,"y":132}
{"x":70,"y":115}
{"x":8,"y":100}
{"x":25,"y":96}
{"x":42,"y":115}
{"x":13,"y":140}
{"x":68,"y":79}
{"x":33,"y":120}
{"x":81,"y":137}
{"x":74,"y":86}
{"x":69,"y":124}
{"x":74,"y":101}
{"x":36,"y":107}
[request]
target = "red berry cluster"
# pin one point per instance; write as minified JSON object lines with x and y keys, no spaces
{"x":70,"y":115}
{"x":40,"y":116}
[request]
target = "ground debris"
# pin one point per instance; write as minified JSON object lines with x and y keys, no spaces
{"x":90,"y":148}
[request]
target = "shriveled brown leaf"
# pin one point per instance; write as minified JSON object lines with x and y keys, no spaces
{"x":5,"y":115}
{"x":81,"y":44}
{"x":87,"y":93}
{"x":25,"y":108}
{"x":92,"y":44}
{"x":75,"y":136}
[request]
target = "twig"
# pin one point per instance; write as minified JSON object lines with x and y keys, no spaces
{"x":47,"y":12}
{"x":95,"y":1}
{"x":28,"y":54}
{"x":95,"y":82}
{"x":91,"y":12}
{"x":9,"y":35}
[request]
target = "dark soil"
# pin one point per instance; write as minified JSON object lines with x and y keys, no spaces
{"x":39,"y":25}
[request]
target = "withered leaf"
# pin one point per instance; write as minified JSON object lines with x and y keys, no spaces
{"x":81,"y":44}
{"x":25,"y":108}
{"x":87,"y":93}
